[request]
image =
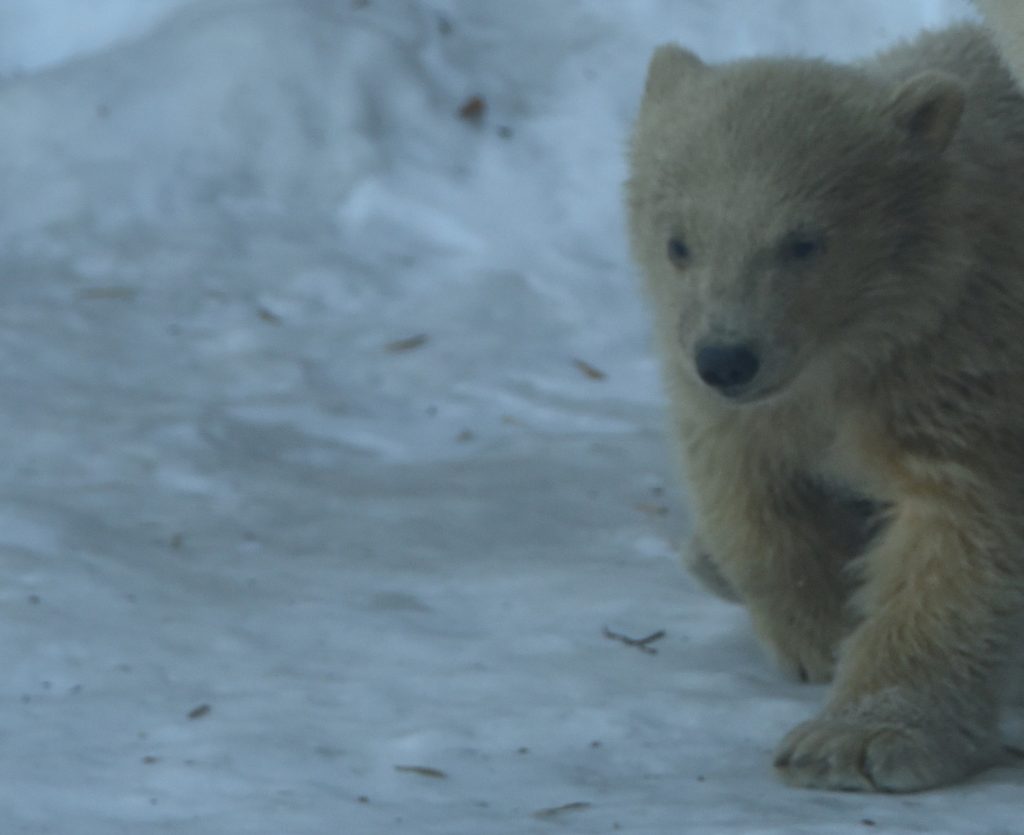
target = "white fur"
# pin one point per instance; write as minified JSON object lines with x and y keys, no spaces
{"x":862,"y":496}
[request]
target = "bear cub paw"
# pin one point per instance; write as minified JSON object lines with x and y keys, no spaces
{"x":856,"y":752}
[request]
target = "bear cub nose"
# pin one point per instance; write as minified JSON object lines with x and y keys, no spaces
{"x":727,"y":367}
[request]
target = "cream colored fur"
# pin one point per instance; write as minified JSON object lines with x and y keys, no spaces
{"x":863,"y":227}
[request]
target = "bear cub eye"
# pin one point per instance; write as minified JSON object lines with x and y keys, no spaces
{"x":678,"y":251}
{"x":803,"y":246}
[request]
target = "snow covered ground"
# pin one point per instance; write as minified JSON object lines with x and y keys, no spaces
{"x":332,"y":434}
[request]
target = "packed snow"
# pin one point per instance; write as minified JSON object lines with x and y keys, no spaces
{"x":334,"y":436}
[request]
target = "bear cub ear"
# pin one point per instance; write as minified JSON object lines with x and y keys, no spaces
{"x":928,"y":108}
{"x":669,"y":65}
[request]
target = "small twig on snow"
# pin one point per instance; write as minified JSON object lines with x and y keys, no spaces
{"x":642,"y":644}
{"x":558,"y":811}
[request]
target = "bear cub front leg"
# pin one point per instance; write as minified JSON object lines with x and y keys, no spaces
{"x":916,"y":698}
{"x":780,"y":548}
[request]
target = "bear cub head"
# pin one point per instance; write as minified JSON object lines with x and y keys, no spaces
{"x":793,"y":218}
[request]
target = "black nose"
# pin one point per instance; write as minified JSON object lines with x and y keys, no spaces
{"x":727,"y":367}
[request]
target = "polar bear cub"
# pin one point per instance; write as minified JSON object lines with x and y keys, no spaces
{"x":835,"y":261}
